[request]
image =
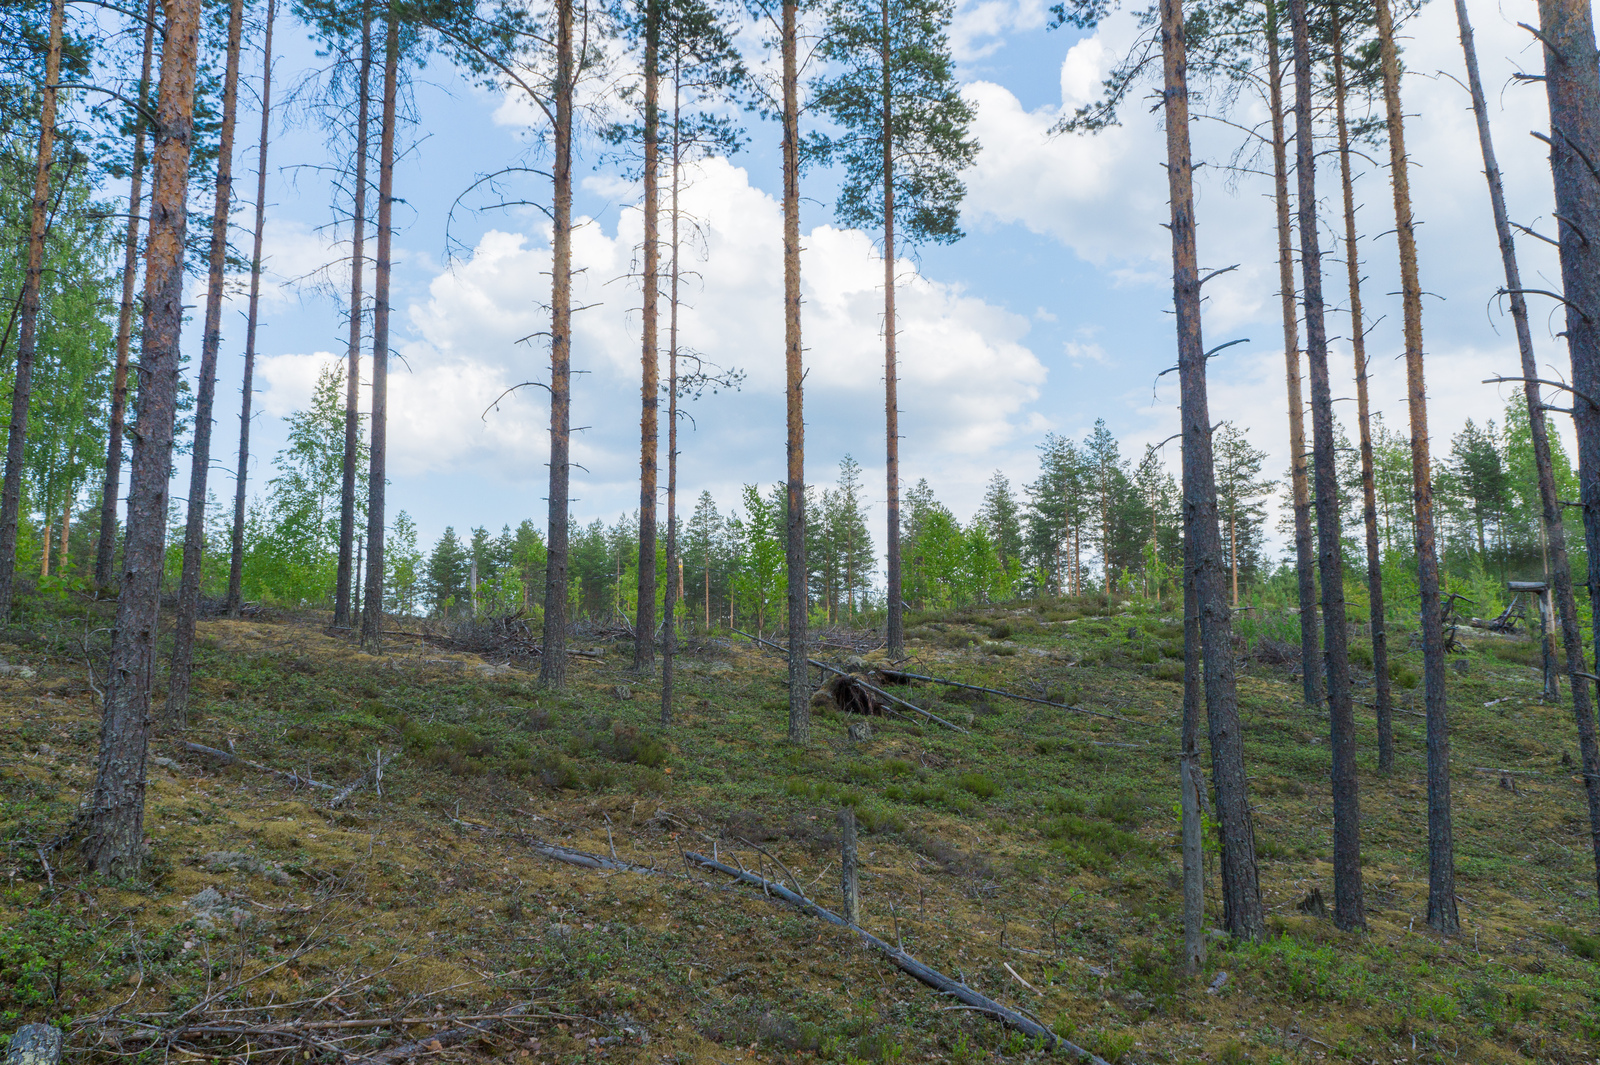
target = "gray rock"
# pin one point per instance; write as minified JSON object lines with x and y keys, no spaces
{"x":859,"y":731}
{"x":240,"y":862}
{"x":35,"y":1044}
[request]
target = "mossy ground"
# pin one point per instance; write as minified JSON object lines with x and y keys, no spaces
{"x":1035,"y":857}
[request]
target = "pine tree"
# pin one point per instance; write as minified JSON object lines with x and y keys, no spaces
{"x":1241,"y":491}
{"x":904,"y":143}
{"x":447,"y":568}
{"x":1002,"y":516}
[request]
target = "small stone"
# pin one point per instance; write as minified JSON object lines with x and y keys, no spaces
{"x":1218,"y":982}
{"x":859,"y":731}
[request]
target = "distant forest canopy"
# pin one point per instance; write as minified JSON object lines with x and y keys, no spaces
{"x":1091,"y":519}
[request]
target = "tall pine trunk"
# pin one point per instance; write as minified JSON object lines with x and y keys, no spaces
{"x":377,"y":458}
{"x":194,"y":533}
{"x":352,"y":379}
{"x":644,"y":629}
{"x":669,"y":631}
{"x":794,"y":372}
{"x":1349,"y":909}
{"x":1299,"y":481}
{"x":553,"y":663}
{"x":895,"y":624}
{"x":106,"y":542}
{"x":114,"y":837}
{"x":1442,"y":914}
{"x":1382,"y":689}
{"x":252,"y":317}
{"x":1572,"y":83}
{"x":27,"y":331}
{"x":1241,"y":889}
{"x":1190,"y":783}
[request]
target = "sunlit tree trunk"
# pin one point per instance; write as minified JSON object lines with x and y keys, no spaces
{"x":114,"y":831}
{"x":194,"y":535}
{"x":377,"y":460}
{"x":1572,"y":84}
{"x":1189,"y":779}
{"x":669,"y":635}
{"x":644,"y":634}
{"x":1349,"y":907}
{"x":252,"y":317}
{"x":553,"y":663}
{"x":1299,"y":482}
{"x":795,"y":518}
{"x":1442,"y":914}
{"x":1241,"y":890}
{"x":106,"y":542}
{"x":352,"y":386}
{"x":28,"y":325}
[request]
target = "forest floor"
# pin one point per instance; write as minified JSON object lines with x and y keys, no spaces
{"x":1034,"y":857}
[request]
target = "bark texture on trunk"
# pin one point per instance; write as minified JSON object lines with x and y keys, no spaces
{"x":1572,"y":84}
{"x":114,"y":835}
{"x":669,"y":630}
{"x":1241,"y":889}
{"x":194,"y":533}
{"x":106,"y":542}
{"x":252,"y":317}
{"x":793,"y":360}
{"x":1299,"y":479}
{"x":1190,"y":781}
{"x":352,"y":379}
{"x":553,"y":663}
{"x":895,"y":631}
{"x":1349,"y":908}
{"x":1442,"y":914}
{"x":644,"y":630}
{"x":377,"y":452}
{"x":28,"y":326}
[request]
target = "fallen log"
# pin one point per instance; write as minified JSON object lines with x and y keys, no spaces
{"x":374,"y":775}
{"x":226,"y":758}
{"x":894,"y":676}
{"x":909,"y":965}
{"x":581,"y":858}
{"x":870,"y":687}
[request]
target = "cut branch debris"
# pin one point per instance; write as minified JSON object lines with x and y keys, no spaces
{"x":898,"y":676}
{"x":226,"y":758}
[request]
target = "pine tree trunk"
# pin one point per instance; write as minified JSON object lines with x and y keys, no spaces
{"x":1382,"y":690}
{"x":1349,"y":907}
{"x":895,"y":624}
{"x":553,"y":662}
{"x":795,"y":511}
{"x":1241,"y":890}
{"x":241,"y":479}
{"x":1573,"y":86}
{"x":352,"y":385}
{"x":644,"y":650}
{"x":1311,"y":676}
{"x":27,"y":331}
{"x":1441,"y":844}
{"x":194,"y":534}
{"x":378,"y":432}
{"x":669,"y":634}
{"x":114,"y":836}
{"x":106,"y":542}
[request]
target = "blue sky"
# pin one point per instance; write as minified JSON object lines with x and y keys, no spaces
{"x":1051,"y":313}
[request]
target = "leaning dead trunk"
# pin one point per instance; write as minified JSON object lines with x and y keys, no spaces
{"x":27,"y":330}
{"x":644,"y":630}
{"x":352,"y":377}
{"x":1441,"y":843}
{"x":1241,"y":890}
{"x":553,"y":663}
{"x":795,"y":511}
{"x":1349,"y":909}
{"x":1382,"y":690}
{"x":1305,"y":578}
{"x":252,"y":316}
{"x":194,"y":534}
{"x":106,"y":543}
{"x":377,"y":456}
{"x":1572,"y":84}
{"x":115,"y":820}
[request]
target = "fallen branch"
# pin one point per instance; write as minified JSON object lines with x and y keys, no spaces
{"x":226,"y":758}
{"x":891,"y":674}
{"x":870,"y":687}
{"x":583,"y":858}
{"x":438,"y":1040}
{"x":374,"y":775}
{"x":911,"y":966}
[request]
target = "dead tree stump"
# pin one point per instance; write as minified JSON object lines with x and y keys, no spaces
{"x":847,"y":868}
